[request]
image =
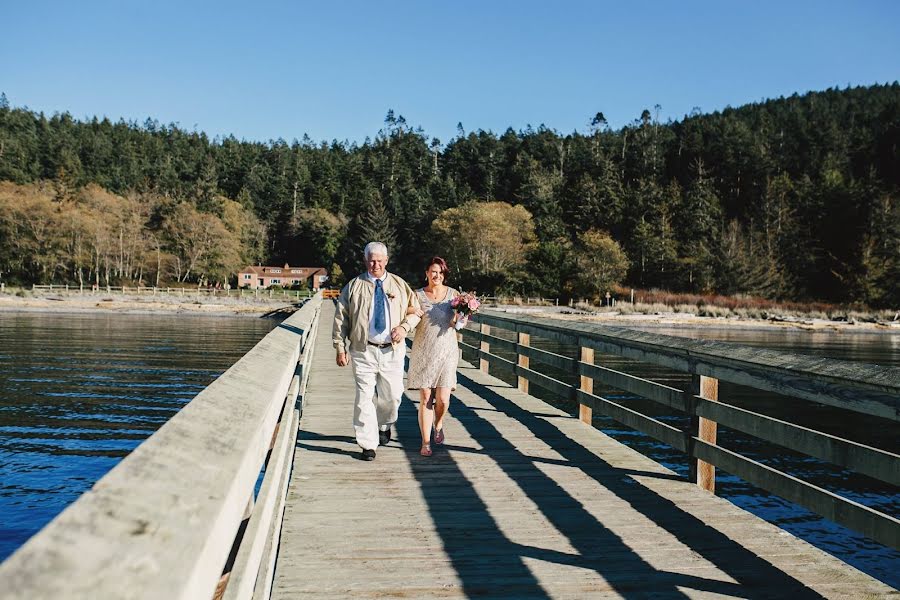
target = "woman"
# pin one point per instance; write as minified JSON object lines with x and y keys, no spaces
{"x":435,"y":353}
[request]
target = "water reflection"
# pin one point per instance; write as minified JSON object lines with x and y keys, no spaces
{"x":79,"y":392}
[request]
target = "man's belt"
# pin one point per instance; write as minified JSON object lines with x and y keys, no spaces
{"x":387,"y":345}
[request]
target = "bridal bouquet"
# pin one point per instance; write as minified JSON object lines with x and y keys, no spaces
{"x":465,"y":304}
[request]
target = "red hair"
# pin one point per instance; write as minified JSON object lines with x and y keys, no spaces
{"x":442,"y":264}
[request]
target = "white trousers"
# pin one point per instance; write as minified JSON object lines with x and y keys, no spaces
{"x":380,"y":368}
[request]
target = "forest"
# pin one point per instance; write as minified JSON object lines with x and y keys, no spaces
{"x":788,"y":199}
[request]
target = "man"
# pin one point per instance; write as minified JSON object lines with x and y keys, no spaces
{"x":371,"y":316}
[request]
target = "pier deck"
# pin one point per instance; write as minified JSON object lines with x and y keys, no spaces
{"x":523,"y":501}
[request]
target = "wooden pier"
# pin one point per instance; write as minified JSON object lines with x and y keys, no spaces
{"x":255,"y":489}
{"x":523,"y":501}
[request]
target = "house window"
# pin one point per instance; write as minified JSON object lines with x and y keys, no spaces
{"x":276,"y":270}
{"x":274,"y":281}
{"x":295,"y":280}
{"x":296,"y":271}
{"x":248,"y":276}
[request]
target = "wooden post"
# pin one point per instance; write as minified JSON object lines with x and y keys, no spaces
{"x":485,"y":346}
{"x":703,"y":473}
{"x":523,"y":361}
{"x":586,"y":413}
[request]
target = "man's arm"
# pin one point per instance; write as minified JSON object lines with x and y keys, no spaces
{"x":341,"y":328}
{"x":410,"y":318}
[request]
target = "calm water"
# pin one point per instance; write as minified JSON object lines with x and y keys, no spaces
{"x":79,"y":392}
{"x":882,"y":349}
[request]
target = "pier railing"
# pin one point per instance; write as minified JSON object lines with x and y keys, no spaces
{"x":857,"y":387}
{"x":180,"y":517}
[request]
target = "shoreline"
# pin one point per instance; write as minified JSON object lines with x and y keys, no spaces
{"x":134,"y":305}
{"x":686,"y":321}
{"x":235,"y":307}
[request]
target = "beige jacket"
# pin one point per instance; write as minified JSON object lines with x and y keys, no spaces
{"x":351,"y":317}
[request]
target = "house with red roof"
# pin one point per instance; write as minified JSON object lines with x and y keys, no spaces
{"x":287,"y":277}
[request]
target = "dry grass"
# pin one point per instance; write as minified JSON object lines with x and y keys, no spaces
{"x":738,"y":307}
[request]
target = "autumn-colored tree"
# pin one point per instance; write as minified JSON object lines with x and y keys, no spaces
{"x":201,"y":244}
{"x":485,"y":241}
{"x":250,"y":231}
{"x":31,"y":223}
{"x":601,"y":263}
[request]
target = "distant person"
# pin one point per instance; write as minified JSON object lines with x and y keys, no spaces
{"x":435,"y":353}
{"x":371,"y":314}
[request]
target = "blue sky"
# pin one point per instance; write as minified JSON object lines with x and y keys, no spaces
{"x":266,"y":70}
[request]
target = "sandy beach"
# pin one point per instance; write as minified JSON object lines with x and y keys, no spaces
{"x":687,"y":320}
{"x":134,"y":304}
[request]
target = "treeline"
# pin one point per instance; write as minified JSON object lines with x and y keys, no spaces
{"x":92,"y":237}
{"x":793,"y":198}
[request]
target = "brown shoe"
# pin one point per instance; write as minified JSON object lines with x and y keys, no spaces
{"x":426,"y":450}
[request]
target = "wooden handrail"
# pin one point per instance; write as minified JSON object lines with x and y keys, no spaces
{"x":863,"y":388}
{"x":254,"y":565}
{"x":162,"y":523}
{"x":859,"y":387}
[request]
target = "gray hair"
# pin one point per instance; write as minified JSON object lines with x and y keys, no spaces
{"x":374,"y":248}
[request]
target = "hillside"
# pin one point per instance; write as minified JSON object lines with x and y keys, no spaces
{"x":791,"y":198}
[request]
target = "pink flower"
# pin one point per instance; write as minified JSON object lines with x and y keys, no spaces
{"x":474,"y":304}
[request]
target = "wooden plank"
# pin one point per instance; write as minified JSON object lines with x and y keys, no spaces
{"x":640,"y":422}
{"x":306,"y":359}
{"x":873,"y":462}
{"x":494,"y":319}
{"x":563,"y":363}
{"x":485,"y":347}
{"x":263,"y":588}
{"x":645,"y":388}
{"x":702,"y":472}
{"x":586,"y":384}
{"x":523,"y":360}
{"x":246,"y":567}
{"x":500,"y":343}
{"x":882,"y":528}
{"x":545,"y":381}
{"x":493,"y":359}
{"x":294,"y":389}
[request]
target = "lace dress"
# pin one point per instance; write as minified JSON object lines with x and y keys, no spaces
{"x":435,"y":352}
